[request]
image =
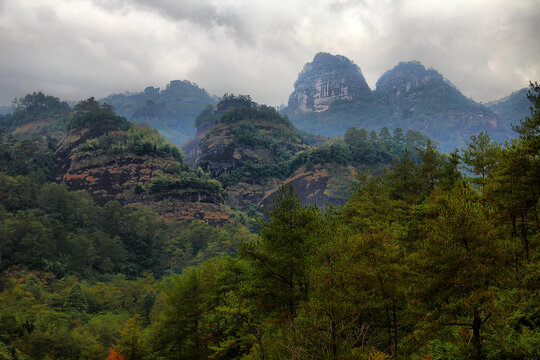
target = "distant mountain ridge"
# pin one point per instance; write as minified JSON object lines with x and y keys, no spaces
{"x":331,"y":95}
{"x":511,"y":109}
{"x":172,"y":111}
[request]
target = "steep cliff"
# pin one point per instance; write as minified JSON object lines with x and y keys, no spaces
{"x":115,"y":160}
{"x":330,"y":95}
{"x":326,"y":79}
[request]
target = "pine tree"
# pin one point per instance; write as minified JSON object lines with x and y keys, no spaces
{"x":279,"y":259}
{"x":462,"y":257}
{"x":481,"y":155}
{"x":75,"y":301}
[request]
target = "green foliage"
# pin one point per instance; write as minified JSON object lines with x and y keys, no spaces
{"x":33,"y":107}
{"x":49,"y":228}
{"x":279,"y":260}
{"x":418,"y":264}
{"x":33,"y":157}
{"x":280,"y":255}
{"x":177,"y":333}
{"x":131,"y":342}
{"x":90,"y":111}
{"x":256,"y":125}
{"x":208,"y":115}
{"x":481,"y":155}
{"x":147,"y":141}
{"x":182,"y":181}
{"x":330,"y":152}
{"x":529,"y":129}
{"x":75,"y":302}
{"x":460,"y":262}
{"x":232,"y":101}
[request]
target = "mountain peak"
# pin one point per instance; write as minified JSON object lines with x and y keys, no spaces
{"x":407,"y":72}
{"x":326,"y":79}
{"x":325,"y":61}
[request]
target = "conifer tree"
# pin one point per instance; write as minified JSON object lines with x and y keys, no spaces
{"x":461,"y":259}
{"x":75,"y":301}
{"x":279,"y":259}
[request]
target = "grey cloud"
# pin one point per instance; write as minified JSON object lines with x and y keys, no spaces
{"x":465,"y":48}
{"x":96,"y":47}
{"x":206,"y":14}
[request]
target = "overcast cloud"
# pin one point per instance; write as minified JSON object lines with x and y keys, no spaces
{"x":76,"y":49}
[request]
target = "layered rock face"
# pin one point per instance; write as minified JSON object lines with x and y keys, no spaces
{"x":97,"y":159}
{"x":326,"y":79}
{"x":219,"y":152}
{"x":244,"y":145}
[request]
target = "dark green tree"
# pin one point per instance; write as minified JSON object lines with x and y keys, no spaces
{"x":177,"y":333}
{"x":279,"y":258}
{"x":462,"y":258}
{"x":481,"y":155}
{"x":75,"y":301}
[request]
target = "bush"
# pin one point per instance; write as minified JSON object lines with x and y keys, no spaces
{"x":184,"y":181}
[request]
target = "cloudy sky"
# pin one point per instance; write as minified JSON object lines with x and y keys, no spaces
{"x":75,"y":49}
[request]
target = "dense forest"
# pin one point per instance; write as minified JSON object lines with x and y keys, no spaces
{"x":433,"y":257}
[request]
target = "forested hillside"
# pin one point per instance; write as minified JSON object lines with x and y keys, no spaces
{"x":433,"y":256}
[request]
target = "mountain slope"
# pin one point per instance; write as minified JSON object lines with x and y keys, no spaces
{"x":113,"y":159}
{"x":245,"y":146}
{"x":512,"y":109}
{"x":252,"y":149}
{"x":421,"y":99}
{"x":37,"y":114}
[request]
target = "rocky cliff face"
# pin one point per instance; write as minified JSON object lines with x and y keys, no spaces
{"x":220,"y":153}
{"x":99,"y":159}
{"x":331,"y":95}
{"x":326,"y":79}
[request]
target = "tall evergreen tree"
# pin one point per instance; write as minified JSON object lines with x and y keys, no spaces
{"x":481,"y":155}
{"x":279,"y":259}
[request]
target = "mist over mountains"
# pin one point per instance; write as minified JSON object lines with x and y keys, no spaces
{"x":171,"y":110}
{"x":331,"y":94}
